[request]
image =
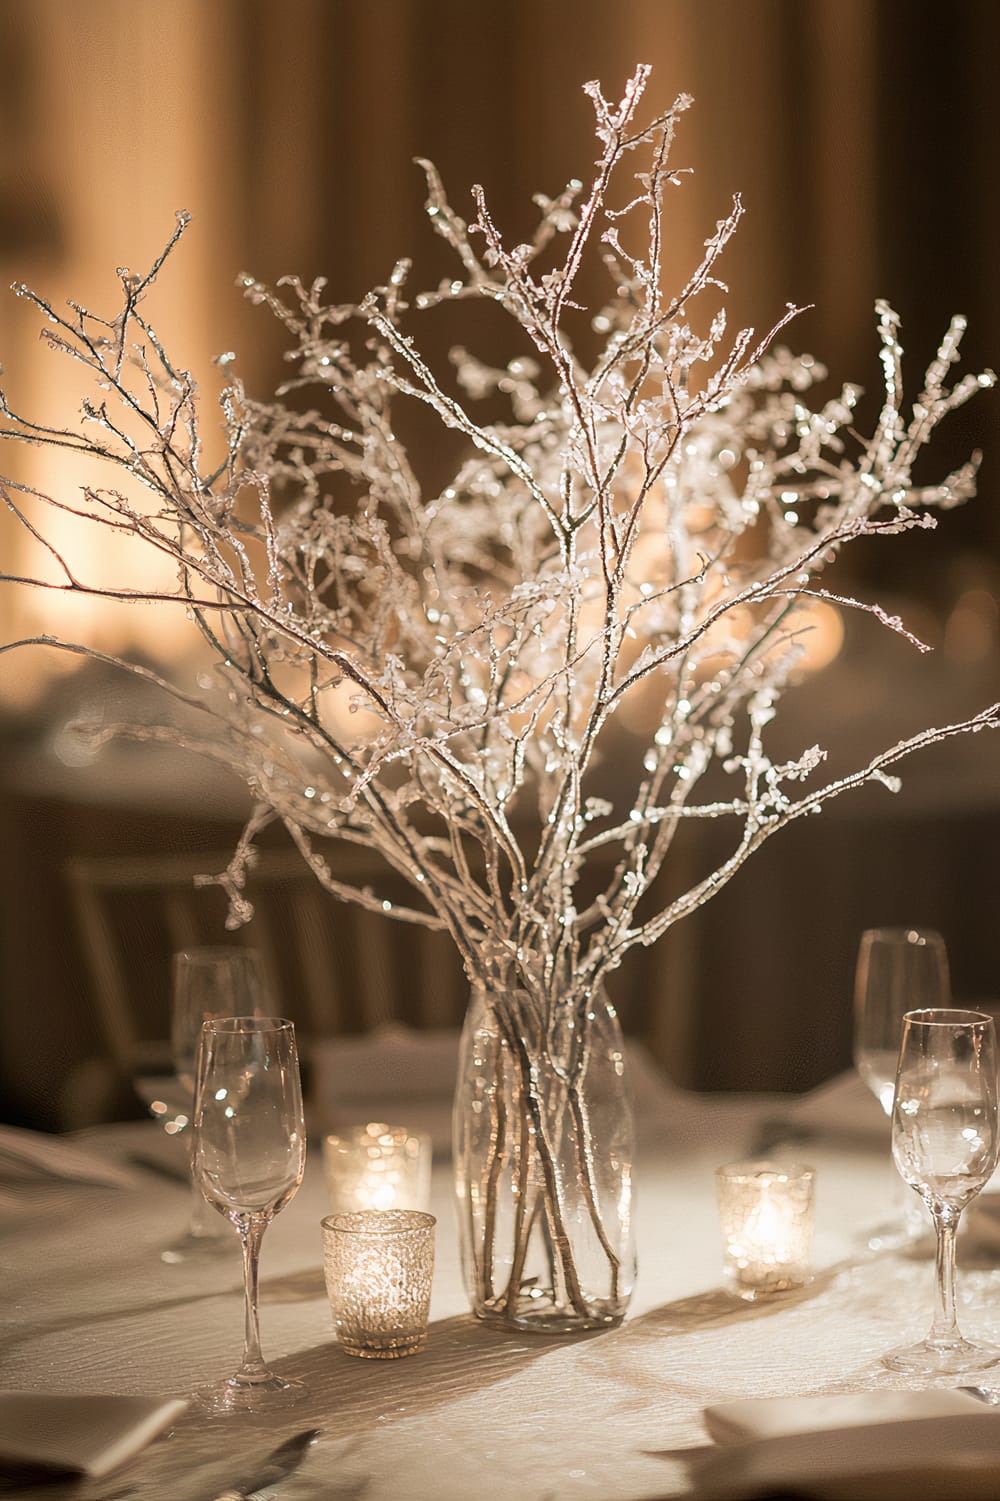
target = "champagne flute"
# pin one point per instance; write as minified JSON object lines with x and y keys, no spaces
{"x":898,"y":970}
{"x":945,"y":1143}
{"x":248,"y":1158}
{"x":205,"y":982}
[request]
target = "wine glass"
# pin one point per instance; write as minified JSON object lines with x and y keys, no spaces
{"x":945,"y":1143}
{"x":205,"y":982}
{"x":248,"y":1158}
{"x":898,"y":970}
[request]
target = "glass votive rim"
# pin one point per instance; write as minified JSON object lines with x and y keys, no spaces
{"x":376,"y":1222}
{"x":762,"y":1168}
{"x":373,"y":1133}
{"x":765,"y":1274}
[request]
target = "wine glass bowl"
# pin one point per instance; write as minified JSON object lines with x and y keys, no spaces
{"x":205,"y":982}
{"x":248,"y":1160}
{"x":213,"y":981}
{"x":945,"y":1144}
{"x":898,"y":970}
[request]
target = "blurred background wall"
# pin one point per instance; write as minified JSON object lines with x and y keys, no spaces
{"x":862,"y":137}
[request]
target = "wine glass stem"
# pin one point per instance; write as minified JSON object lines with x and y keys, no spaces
{"x":944,"y":1329}
{"x":251,"y":1231}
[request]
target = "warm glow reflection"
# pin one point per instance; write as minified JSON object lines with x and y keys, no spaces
{"x":819,"y":635}
{"x":343,"y":714}
{"x":972,"y":630}
{"x":100,"y":559}
{"x":822,"y":628}
{"x":116,"y":176}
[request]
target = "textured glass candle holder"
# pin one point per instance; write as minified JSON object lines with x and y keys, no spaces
{"x":378,"y":1266}
{"x":377,"y":1167}
{"x":767,"y":1213}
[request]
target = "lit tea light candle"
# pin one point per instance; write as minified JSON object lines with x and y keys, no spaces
{"x":378,"y":1266}
{"x":377,"y":1166}
{"x":767,"y":1215}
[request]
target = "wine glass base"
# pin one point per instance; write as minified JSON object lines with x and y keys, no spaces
{"x":929,"y":1358}
{"x":198,"y":1248}
{"x":261,"y":1395}
{"x":914,"y":1240}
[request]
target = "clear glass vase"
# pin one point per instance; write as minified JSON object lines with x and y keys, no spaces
{"x":543,"y":1151}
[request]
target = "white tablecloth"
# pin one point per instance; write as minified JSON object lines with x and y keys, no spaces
{"x":88,"y":1306}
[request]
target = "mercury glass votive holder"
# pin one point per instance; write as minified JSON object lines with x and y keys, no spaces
{"x":378,"y":1265}
{"x":377,"y":1166}
{"x":767,"y":1214}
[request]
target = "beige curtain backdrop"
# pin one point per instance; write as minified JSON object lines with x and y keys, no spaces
{"x":860,"y":135}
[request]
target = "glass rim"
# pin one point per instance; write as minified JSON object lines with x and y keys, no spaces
{"x":916,"y":937}
{"x":947,"y":1016}
{"x":764,"y":1169}
{"x":216,"y":951}
{"x":373,"y":1222}
{"x":233,"y":1024}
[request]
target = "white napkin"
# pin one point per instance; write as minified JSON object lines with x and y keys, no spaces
{"x":845,"y":1108}
{"x":87,"y":1435}
{"x":770,"y":1417}
{"x":948,"y":1458}
{"x":394,"y":1074}
{"x":407,"y":1078}
{"x":868,"y":1446}
{"x":34,"y":1155}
